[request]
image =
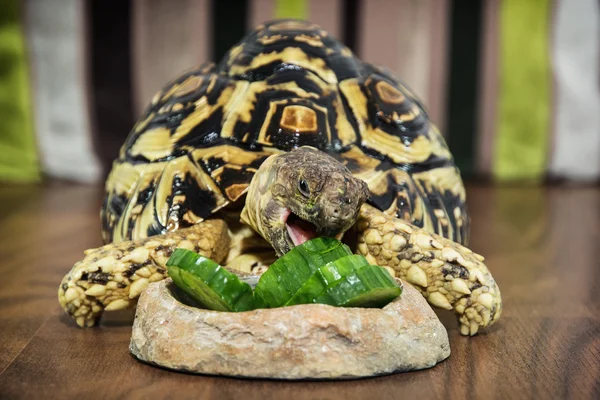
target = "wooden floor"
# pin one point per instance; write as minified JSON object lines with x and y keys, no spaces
{"x":542,"y":245}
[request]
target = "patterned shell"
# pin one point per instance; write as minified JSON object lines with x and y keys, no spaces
{"x":287,"y":84}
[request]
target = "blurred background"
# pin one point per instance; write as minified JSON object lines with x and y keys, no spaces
{"x":513,"y":84}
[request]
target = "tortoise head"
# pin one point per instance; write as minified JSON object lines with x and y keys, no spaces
{"x":302,"y":194}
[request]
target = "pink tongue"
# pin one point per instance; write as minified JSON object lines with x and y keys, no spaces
{"x":300,"y":232}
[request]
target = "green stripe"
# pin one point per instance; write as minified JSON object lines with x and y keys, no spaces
{"x":524,"y":93}
{"x":18,"y":155}
{"x":462,"y":105}
{"x":297,"y":9}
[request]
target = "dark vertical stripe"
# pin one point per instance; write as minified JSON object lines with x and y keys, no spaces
{"x":462,"y":105}
{"x":229,"y":25}
{"x":350,"y":23}
{"x":112,"y":105}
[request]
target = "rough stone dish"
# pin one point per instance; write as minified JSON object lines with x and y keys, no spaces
{"x":301,"y":342}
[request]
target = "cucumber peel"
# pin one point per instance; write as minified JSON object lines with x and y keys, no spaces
{"x":369,"y":286}
{"x":209,"y":284}
{"x":287,"y":275}
{"x":325,"y":277}
{"x":322,"y":270}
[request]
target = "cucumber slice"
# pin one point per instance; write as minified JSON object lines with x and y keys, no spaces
{"x":287,"y":275}
{"x":369,"y":286}
{"x":209,"y":284}
{"x":325,"y":277}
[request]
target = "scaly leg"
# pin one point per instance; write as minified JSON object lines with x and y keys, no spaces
{"x":248,"y":251}
{"x":253,"y":263}
{"x":113,"y":276}
{"x":449,"y":275}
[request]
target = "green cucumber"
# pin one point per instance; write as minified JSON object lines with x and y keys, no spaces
{"x":325,"y":277}
{"x":209,"y":284}
{"x":287,"y":275}
{"x":322,"y":270}
{"x":369,"y":286}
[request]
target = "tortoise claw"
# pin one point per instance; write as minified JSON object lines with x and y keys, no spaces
{"x":112,"y":277}
{"x":449,"y":275}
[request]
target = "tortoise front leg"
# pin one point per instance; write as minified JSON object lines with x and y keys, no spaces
{"x":113,"y":276}
{"x":449,"y":275}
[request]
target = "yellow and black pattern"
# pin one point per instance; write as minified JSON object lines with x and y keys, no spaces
{"x":285,"y":85}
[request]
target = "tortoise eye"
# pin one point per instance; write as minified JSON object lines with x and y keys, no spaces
{"x":303,"y":188}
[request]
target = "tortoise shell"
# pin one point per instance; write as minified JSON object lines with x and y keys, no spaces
{"x":287,"y":84}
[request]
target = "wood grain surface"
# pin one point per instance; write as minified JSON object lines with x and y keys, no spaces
{"x":541,"y":244}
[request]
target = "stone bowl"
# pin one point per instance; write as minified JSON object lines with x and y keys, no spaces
{"x":312,"y":341}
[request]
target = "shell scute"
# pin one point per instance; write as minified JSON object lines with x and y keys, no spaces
{"x":286,"y":84}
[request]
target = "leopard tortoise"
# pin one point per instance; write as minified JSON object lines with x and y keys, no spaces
{"x":291,"y":101}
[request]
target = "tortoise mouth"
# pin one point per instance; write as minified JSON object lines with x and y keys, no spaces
{"x":299,"y":230}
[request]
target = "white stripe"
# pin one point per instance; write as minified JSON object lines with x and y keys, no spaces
{"x":56,"y":39}
{"x":576,"y":61}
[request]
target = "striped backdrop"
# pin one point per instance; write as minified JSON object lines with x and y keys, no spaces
{"x":514,"y":85}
